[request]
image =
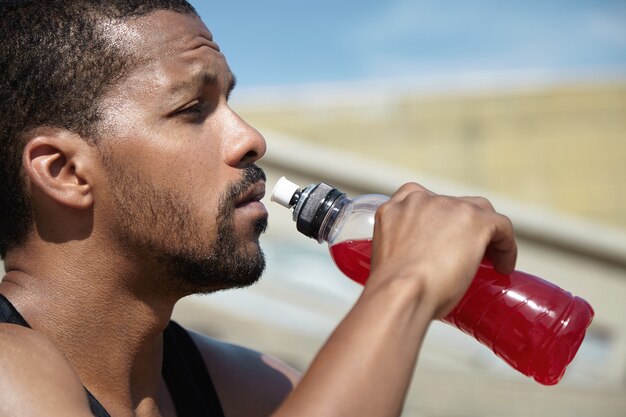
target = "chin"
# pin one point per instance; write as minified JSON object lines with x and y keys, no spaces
{"x":238,"y":267}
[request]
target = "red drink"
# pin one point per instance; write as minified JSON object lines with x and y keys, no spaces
{"x":352,"y":257}
{"x":535,"y":326}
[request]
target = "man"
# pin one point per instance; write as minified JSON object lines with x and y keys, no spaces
{"x":127,"y":183}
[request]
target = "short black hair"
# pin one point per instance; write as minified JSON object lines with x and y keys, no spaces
{"x":56,"y":62}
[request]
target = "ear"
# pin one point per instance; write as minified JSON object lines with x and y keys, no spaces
{"x":57,"y":162}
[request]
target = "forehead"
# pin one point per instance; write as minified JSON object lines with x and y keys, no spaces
{"x":170,"y":47}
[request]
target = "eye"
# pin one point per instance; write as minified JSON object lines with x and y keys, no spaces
{"x":195,"y":108}
{"x":193,"y":112}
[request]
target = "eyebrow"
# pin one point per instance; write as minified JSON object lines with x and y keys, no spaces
{"x":201,"y":79}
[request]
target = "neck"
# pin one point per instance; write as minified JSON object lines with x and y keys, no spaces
{"x":89,"y":306}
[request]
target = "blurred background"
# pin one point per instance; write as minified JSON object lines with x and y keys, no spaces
{"x":523,"y":102}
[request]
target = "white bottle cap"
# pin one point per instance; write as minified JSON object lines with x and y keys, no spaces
{"x":283,"y":192}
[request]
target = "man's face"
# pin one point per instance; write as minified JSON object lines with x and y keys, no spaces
{"x":180,"y":187}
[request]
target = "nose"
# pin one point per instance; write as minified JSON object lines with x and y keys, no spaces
{"x":247,"y":145}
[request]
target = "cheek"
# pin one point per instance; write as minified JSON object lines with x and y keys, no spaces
{"x":198,"y":176}
{"x":185,"y":160}
{"x":176,"y":163}
{"x":201,"y":182}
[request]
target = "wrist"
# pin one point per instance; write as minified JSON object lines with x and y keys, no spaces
{"x":404,"y":290}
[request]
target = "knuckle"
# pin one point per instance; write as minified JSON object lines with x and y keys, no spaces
{"x":468,"y":212}
{"x":383,"y":210}
{"x":415,"y":196}
{"x":507,"y":221}
{"x":411,"y":186}
{"x":483,"y":202}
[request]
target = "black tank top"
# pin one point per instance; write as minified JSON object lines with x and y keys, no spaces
{"x":184,"y":371}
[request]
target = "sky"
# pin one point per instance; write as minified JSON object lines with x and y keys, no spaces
{"x":292,"y":42}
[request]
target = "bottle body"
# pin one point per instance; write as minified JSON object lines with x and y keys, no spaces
{"x":533,"y":325}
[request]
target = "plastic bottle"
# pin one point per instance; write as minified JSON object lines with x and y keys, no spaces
{"x":533,"y":325}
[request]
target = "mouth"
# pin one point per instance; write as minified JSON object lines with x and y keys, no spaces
{"x":253,"y":194}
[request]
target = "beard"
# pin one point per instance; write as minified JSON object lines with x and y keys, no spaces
{"x":162,"y":225}
{"x":228,"y":264}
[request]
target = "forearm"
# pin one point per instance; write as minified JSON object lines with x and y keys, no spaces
{"x":365,"y":367}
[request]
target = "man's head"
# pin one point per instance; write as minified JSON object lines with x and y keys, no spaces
{"x":166,"y":165}
{"x":56,"y":61}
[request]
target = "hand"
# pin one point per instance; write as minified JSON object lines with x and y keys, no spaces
{"x":435,"y":243}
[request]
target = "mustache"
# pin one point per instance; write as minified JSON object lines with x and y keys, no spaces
{"x":251,"y":175}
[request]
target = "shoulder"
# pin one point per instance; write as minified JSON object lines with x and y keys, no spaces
{"x":248,"y":383}
{"x":35,"y":378}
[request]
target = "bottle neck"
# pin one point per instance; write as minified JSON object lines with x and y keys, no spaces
{"x":315,"y":209}
{"x":333,"y":215}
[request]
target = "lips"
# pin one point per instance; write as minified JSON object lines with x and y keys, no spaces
{"x":253,"y":194}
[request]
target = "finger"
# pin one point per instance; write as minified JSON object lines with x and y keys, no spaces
{"x":409,"y":188}
{"x":481,"y":202}
{"x":502,"y":250}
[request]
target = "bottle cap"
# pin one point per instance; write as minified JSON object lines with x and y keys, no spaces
{"x":283,"y":192}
